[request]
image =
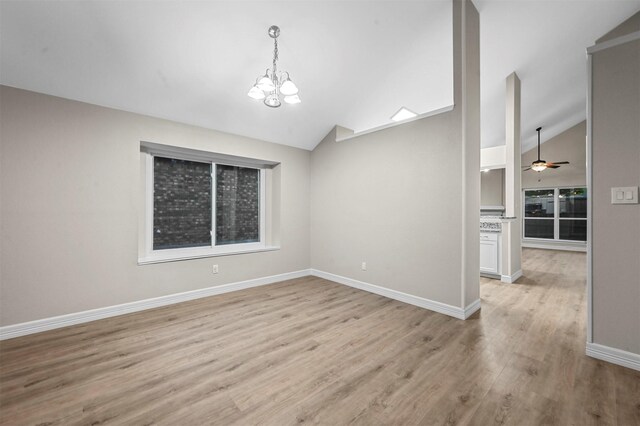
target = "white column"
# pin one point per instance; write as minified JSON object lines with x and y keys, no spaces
{"x":466,"y":51}
{"x":511,"y":269}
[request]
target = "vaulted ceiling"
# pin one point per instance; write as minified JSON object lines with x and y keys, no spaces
{"x":355,"y":62}
{"x":545,"y":43}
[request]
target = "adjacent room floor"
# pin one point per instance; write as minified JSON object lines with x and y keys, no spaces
{"x":312,"y":351}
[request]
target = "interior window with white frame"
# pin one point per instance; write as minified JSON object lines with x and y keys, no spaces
{"x":558,"y":214}
{"x":198,"y":206}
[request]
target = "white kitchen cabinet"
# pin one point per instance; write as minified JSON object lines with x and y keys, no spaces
{"x":489,"y":253}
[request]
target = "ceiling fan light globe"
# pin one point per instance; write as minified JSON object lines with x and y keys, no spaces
{"x":538,"y":166}
{"x":288,"y":88}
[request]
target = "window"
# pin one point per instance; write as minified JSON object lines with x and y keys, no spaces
{"x":539,"y":207}
{"x":556,"y":214}
{"x":202,"y":204}
{"x":237,"y":205}
{"x":573,"y":214}
{"x":181,"y":203}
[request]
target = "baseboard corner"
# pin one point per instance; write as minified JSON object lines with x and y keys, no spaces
{"x":432,"y":305}
{"x":511,"y":278}
{"x":472,"y":308}
{"x":613,"y":355}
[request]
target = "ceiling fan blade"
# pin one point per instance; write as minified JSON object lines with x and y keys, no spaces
{"x":558,"y":162}
{"x":552,"y":166}
{"x":528,"y":168}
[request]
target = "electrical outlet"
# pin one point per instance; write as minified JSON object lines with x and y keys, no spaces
{"x":215,"y":269}
{"x":364,"y":266}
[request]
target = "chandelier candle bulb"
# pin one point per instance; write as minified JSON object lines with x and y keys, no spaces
{"x":274,"y":83}
{"x":293,"y":99}
{"x":288,"y":88}
{"x":256,"y":93}
{"x":265,"y":83}
{"x":272,"y":101}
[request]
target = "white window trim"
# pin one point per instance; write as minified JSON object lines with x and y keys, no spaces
{"x":150,"y":150}
{"x":556,"y":217}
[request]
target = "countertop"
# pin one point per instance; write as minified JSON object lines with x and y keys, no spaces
{"x":497,"y":218}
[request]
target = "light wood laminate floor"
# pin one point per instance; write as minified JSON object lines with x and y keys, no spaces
{"x":312,"y":351}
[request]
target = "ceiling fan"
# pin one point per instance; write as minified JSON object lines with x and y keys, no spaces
{"x":539,"y":165}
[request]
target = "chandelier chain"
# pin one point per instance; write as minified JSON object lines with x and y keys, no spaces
{"x":275,"y":53}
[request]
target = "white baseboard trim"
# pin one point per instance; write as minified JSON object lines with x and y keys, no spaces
{"x":556,"y":246}
{"x":31,"y":327}
{"x":511,"y":278}
{"x":421,"y":302}
{"x":472,"y":308}
{"x":490,"y":275}
{"x":37,"y":326}
{"x":614,"y":356}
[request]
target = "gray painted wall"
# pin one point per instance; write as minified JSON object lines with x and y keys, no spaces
{"x":492,"y":188}
{"x":628,"y":26}
{"x":569,"y":145}
{"x":406,"y":199}
{"x":616,"y":228}
{"x":71,"y":200}
{"x":403,"y":199}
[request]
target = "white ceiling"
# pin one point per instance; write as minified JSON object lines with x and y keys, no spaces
{"x":545,"y":43}
{"x":355,"y":62}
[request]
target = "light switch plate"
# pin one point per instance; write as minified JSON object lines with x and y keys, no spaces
{"x":624,"y":195}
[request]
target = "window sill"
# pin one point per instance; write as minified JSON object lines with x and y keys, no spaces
{"x":176,"y":257}
{"x":551,"y":240}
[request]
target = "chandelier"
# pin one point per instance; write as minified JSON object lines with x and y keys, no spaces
{"x":274,"y":83}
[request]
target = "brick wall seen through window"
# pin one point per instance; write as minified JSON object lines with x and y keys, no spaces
{"x":183,"y":204}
